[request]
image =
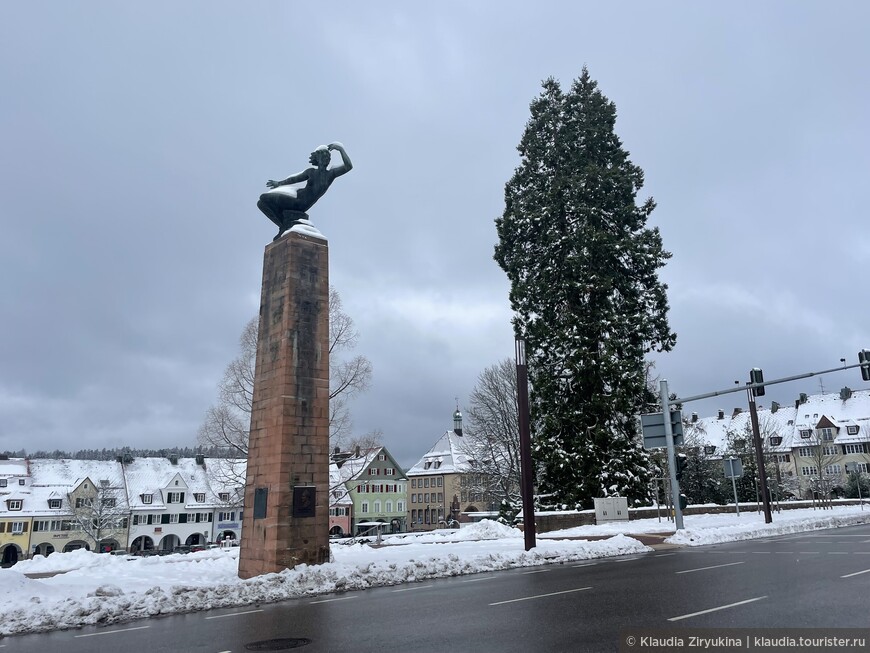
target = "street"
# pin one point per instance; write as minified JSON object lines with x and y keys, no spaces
{"x":817,"y":579}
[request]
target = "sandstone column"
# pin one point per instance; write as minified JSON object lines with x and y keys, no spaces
{"x":286,"y":515}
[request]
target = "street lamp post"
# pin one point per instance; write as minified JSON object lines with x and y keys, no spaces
{"x":526,"y":477}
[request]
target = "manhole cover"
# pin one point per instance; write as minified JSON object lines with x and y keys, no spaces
{"x":278,"y":644}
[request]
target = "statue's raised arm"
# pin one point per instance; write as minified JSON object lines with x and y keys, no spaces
{"x":285,"y":207}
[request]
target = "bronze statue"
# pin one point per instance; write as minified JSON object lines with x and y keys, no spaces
{"x":286,"y":208}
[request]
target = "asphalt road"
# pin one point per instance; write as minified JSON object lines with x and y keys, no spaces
{"x":819,"y":579}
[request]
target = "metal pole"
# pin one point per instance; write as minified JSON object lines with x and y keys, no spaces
{"x":858,"y":479}
{"x":672,"y":458}
{"x":526,"y":477}
{"x":734,"y":485}
{"x":759,"y":457}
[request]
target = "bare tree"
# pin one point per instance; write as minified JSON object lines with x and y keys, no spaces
{"x":491,"y":442}
{"x":100,"y":512}
{"x":819,"y":463}
{"x":227,"y":422}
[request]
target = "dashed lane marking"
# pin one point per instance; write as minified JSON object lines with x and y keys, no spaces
{"x":112,"y":632}
{"x":411,"y":589}
{"x":857,"y":573}
{"x":536,"y":571}
{"x":540,"y":596}
{"x":664,"y":555}
{"x":477,"y":580}
{"x":728,"y":564}
{"x":716,"y":609}
{"x":587,"y":564}
{"x":338,"y":598}
{"x":233,"y":614}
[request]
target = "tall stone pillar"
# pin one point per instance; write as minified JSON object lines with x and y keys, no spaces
{"x":286,"y":515}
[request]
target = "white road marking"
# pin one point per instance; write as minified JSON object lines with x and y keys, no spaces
{"x":233,"y":614}
{"x":728,"y":564}
{"x":721,"y":607}
{"x":785,"y":552}
{"x":587,"y":564}
{"x":410,"y":589}
{"x":476,"y":580}
{"x":540,"y":596}
{"x":112,"y":632}
{"x":838,"y":553}
{"x":664,"y":555}
{"x":626,"y":559}
{"x":759,"y":551}
{"x":806,"y":553}
{"x":537,"y":571}
{"x":857,"y":573}
{"x":861,"y":553}
{"x":341,"y":598}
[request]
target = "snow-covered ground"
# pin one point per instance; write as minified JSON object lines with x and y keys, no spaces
{"x":91,"y":588}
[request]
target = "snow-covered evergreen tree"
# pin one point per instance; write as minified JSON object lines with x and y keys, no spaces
{"x":586,"y":295}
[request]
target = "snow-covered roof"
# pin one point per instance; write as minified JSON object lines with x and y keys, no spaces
{"x":788,"y":421}
{"x":447,"y":456}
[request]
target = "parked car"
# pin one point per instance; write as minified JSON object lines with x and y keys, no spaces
{"x":181,"y":549}
{"x":119,"y":552}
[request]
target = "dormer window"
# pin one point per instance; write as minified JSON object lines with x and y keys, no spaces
{"x":806,"y":434}
{"x":2,"y":482}
{"x":14,"y":504}
{"x":437,"y":464}
{"x":175,"y":497}
{"x":147,"y":498}
{"x":104,"y":482}
{"x":224,"y":496}
{"x":199,"y":497}
{"x":21,"y":481}
{"x":775,"y":440}
{"x":54,"y":504}
{"x":827,"y":434}
{"x":852,"y":430}
{"x":427,"y":464}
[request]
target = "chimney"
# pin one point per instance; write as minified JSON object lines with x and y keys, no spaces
{"x":694,"y":417}
{"x":845,"y":393}
{"x":803,"y":398}
{"x":356,"y":451}
{"x":173,"y":458}
{"x":736,"y":412}
{"x":200,"y":460}
{"x":774,"y":406}
{"x":721,"y":414}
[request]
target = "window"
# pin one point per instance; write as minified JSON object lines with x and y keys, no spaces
{"x":441,"y":497}
{"x":427,"y":464}
{"x":224,"y":496}
{"x":437,"y":464}
{"x":413,"y":498}
{"x":2,"y":482}
{"x":413,"y":515}
{"x":146,"y":498}
{"x":413,"y":483}
{"x":833,"y":469}
{"x":809,"y":471}
{"x":373,"y":471}
{"x":365,"y":507}
{"x":199,"y":497}
{"x":426,"y":482}
{"x":14,"y":504}
{"x":830,"y":451}
{"x":389,"y":471}
{"x":104,"y":482}
{"x":18,"y":527}
{"x":108,"y":502}
{"x":419,"y":497}
{"x":41,"y":525}
{"x":806,"y":434}
{"x":175,"y":497}
{"x":852,"y":430}
{"x":862,"y":467}
{"x":377,"y":506}
{"x":382,"y":456}
{"x":827,"y":434}
{"x":388,"y":507}
{"x":20,"y":481}
{"x":440,"y":481}
{"x":806,"y":452}
{"x":400,"y":505}
{"x":173,"y":518}
{"x":54,"y":504}
{"x":427,"y":498}
{"x":854,"y":448}
{"x":84,"y":502}
{"x":782,"y":457}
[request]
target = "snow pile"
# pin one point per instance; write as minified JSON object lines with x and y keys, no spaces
{"x":783,"y":524}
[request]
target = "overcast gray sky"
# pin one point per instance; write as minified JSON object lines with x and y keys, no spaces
{"x":135,"y":139}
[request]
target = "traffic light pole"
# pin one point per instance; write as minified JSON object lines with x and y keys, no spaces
{"x":759,"y":457}
{"x":672,"y":458}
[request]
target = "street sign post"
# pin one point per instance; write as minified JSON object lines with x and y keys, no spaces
{"x":733,"y":469}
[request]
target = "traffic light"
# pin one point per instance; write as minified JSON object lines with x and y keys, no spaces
{"x":864,"y":359}
{"x":756,"y":376}
{"x":681,"y":461}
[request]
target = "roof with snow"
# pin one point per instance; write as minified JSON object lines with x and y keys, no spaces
{"x":447,"y":456}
